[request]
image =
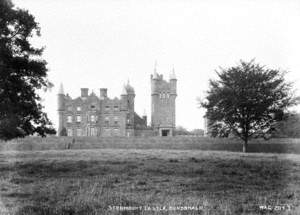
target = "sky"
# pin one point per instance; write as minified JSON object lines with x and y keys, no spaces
{"x":104,"y":43}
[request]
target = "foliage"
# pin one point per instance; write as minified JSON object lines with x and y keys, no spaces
{"x":63,"y":132}
{"x":290,"y":127}
{"x":181,"y":131}
{"x":247,"y":100}
{"x":198,"y":132}
{"x":22,"y":74}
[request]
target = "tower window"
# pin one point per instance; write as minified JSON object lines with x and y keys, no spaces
{"x":69,"y":119}
{"x":93,"y":118}
{"x":78,"y":118}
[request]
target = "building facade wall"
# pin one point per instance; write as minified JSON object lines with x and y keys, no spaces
{"x":92,"y":115}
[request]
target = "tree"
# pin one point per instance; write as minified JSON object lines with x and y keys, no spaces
{"x":247,"y":100}
{"x":289,"y":127}
{"x":22,"y":74}
{"x":180,"y":130}
{"x":198,"y":132}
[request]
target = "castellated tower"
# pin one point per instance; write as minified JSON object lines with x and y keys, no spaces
{"x":60,"y":109}
{"x":163,"y":96}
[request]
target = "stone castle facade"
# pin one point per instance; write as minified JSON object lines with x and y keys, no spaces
{"x":90,"y":115}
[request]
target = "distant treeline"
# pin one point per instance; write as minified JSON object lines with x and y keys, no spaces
{"x":290,"y":127}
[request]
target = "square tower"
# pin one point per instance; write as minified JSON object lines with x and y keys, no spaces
{"x":163,"y":96}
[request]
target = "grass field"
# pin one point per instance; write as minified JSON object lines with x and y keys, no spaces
{"x":94,"y":181}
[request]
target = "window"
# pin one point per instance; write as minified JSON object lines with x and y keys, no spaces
{"x":69,"y":119}
{"x":93,"y":118}
{"x":69,"y":108}
{"x":106,"y":122}
{"x":92,"y":106}
{"x":128,"y":119}
{"x":93,"y":131}
{"x":78,"y":118}
{"x":69,"y":132}
{"x":116,"y":108}
{"x":107,"y":108}
{"x":79,"y":132}
{"x":78,"y":108}
{"x":116,"y":120}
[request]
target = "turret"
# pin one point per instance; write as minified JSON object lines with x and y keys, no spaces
{"x":124,"y":98}
{"x":60,"y":109}
{"x":145,"y":117}
{"x":173,"y":82}
{"x":61,"y":98}
{"x":130,"y":95}
{"x":154,"y":80}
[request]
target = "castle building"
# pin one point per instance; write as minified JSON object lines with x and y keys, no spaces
{"x":90,"y":115}
{"x":163,"y":96}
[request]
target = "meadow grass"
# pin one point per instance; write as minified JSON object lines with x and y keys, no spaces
{"x":93,"y":181}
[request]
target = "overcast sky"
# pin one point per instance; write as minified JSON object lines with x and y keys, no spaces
{"x":102,"y":43}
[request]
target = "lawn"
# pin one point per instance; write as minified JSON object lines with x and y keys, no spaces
{"x":153,"y":181}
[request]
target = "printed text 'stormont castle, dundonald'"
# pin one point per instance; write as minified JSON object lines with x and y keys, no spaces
{"x":90,"y":115}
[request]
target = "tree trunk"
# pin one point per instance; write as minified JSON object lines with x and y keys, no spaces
{"x":245,"y":146}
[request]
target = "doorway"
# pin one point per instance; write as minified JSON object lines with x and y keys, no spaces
{"x":165,"y":132}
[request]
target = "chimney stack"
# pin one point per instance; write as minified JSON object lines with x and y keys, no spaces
{"x":103,"y":93}
{"x":84,"y":92}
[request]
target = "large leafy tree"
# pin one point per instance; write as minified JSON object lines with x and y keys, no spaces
{"x":22,"y":74}
{"x":247,"y":100}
